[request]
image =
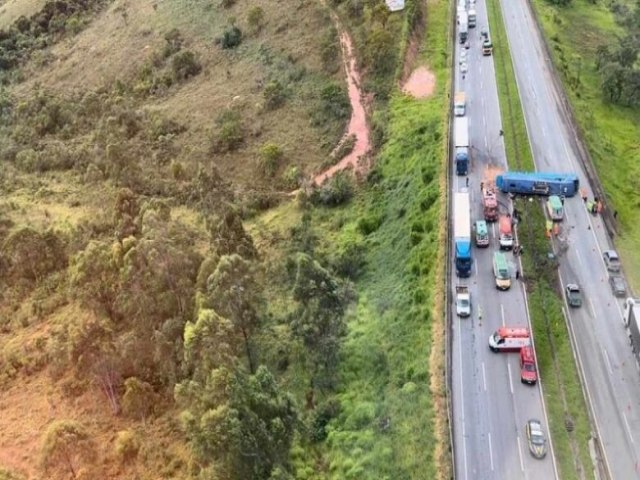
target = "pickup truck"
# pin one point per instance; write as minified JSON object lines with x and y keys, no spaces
{"x":463,"y":301}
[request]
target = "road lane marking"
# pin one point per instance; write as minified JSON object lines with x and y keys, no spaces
{"x":510,"y":379}
{"x":475,"y":268}
{"x":486,"y":144}
{"x":593,"y":310}
{"x":490,"y":451}
{"x":626,"y":422}
{"x":502,"y":314}
{"x":484,"y":121}
{"x":579,"y":257}
{"x":464,"y":441}
{"x":484,"y":377}
{"x":606,"y":358}
{"x":520,"y":454}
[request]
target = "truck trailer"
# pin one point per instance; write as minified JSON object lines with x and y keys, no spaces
{"x":462,"y":233}
{"x":463,"y":26}
{"x":461,"y":139}
{"x":534,"y":183}
{"x":632,"y":321}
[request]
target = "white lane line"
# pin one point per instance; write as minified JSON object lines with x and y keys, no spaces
{"x":510,"y":379}
{"x":484,"y":121}
{"x":593,"y":310}
{"x":626,"y":423}
{"x":520,"y":454}
{"x":490,"y":451}
{"x":579,"y":257}
{"x":484,"y":377}
{"x":502,"y":314}
{"x":486,"y":144}
{"x":606,"y":358}
{"x":475,"y":268}
{"x":464,"y":438}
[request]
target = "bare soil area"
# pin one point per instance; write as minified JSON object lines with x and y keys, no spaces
{"x":420,"y":84}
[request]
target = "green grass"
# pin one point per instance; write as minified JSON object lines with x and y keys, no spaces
{"x":562,"y":391}
{"x":516,"y":141}
{"x":611,"y":132}
{"x":387,"y":426}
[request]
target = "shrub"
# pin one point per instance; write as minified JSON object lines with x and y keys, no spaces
{"x":274,"y":95}
{"x":345,"y":147}
{"x":230,"y":134}
{"x":228,"y":3}
{"x":127,"y":445}
{"x":255,"y":18}
{"x":185,"y":65}
{"x":351,"y":260}
{"x":270,"y":156}
{"x":336,"y":191}
{"x":231,"y":38}
{"x":173,"y":44}
{"x":292,"y":176}
{"x":334,"y":102}
{"x":330,"y":51}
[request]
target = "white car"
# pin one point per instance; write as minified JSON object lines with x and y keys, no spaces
{"x":464,"y":68}
{"x":463,"y":56}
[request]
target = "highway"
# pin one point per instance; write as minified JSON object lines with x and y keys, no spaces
{"x":610,"y":370}
{"x":490,"y":404}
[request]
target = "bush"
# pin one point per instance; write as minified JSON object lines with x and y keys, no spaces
{"x":173,"y":43}
{"x":336,"y":191}
{"x":127,"y":445}
{"x":255,"y":18}
{"x":270,"y":156}
{"x":231,"y":38}
{"x":334,"y":102}
{"x":292,"y":176}
{"x":274,"y":95}
{"x":230,"y":134}
{"x":185,"y":65}
{"x":351,"y":260}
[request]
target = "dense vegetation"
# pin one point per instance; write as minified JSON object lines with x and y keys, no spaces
{"x":594,"y":46}
{"x":164,"y":337}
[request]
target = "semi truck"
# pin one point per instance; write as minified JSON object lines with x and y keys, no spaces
{"x":489,"y":203}
{"x":459,"y":104}
{"x":462,"y":233}
{"x":534,"y":183}
{"x":472,"y":17}
{"x":632,"y":321}
{"x":463,"y":26}
{"x":461,"y":138}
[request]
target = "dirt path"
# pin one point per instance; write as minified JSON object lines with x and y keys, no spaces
{"x":358,"y":126}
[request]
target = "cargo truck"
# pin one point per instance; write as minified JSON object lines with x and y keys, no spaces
{"x":472,"y":17}
{"x":534,"y":183}
{"x":461,"y":139}
{"x":489,"y":203}
{"x":463,"y":26}
{"x":459,"y":104}
{"x":632,"y":321}
{"x":462,"y":233}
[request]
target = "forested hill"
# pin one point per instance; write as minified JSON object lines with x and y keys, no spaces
{"x":155,"y":322}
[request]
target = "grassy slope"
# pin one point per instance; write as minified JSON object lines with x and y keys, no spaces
{"x":611,"y":132}
{"x":385,"y":371}
{"x":563,"y":395}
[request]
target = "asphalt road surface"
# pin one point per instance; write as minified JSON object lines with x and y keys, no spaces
{"x":610,"y":370}
{"x":490,"y":404}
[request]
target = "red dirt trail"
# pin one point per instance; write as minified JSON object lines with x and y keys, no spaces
{"x":358,"y":123}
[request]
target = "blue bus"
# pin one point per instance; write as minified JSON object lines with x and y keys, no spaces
{"x":535,"y":183}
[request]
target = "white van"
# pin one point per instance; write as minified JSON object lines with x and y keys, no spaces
{"x":509,"y":339}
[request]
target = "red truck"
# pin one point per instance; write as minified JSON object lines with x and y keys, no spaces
{"x":489,"y":204}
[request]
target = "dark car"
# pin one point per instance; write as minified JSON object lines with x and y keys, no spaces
{"x":536,"y":438}
{"x":574,"y":295}
{"x":618,"y":287}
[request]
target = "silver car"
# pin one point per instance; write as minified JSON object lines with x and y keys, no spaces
{"x":536,"y":438}
{"x":611,"y":260}
{"x":618,"y":287}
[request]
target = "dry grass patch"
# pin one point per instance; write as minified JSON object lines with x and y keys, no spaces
{"x":11,"y":10}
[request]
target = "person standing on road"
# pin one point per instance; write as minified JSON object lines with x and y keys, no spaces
{"x":517,"y":274}
{"x":467,"y":182}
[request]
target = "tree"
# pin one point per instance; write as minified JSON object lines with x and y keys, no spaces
{"x":66,"y":445}
{"x":380,"y":13}
{"x":246,"y":432}
{"x":613,"y":82}
{"x":139,"y":398}
{"x":318,"y":321}
{"x":233,"y":293}
{"x":380,"y":51}
{"x":32,"y":255}
{"x":229,"y":236}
